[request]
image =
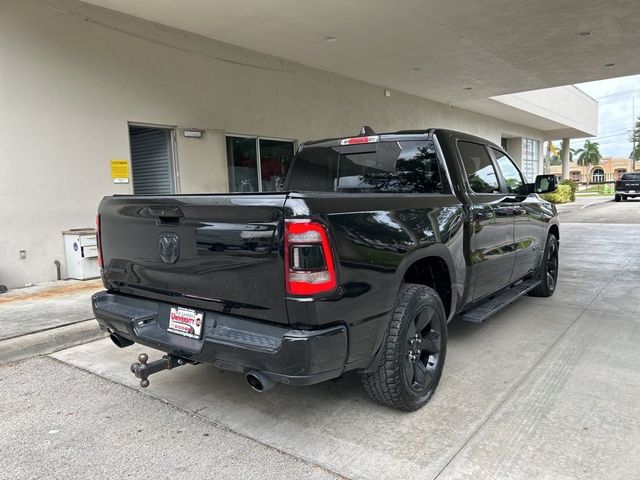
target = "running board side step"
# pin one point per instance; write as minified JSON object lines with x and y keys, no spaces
{"x":497,"y":303}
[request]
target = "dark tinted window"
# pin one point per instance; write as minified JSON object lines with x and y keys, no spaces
{"x":313,"y":170}
{"x":480,"y":171}
{"x":393,"y":167}
{"x":630,"y":176}
{"x":510,"y":173}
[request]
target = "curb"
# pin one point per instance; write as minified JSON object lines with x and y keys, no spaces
{"x":598,"y":203}
{"x":49,"y":341}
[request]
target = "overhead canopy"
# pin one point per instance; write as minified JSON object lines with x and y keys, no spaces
{"x":447,"y":51}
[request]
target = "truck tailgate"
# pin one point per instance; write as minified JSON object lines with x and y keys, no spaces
{"x":219,"y":252}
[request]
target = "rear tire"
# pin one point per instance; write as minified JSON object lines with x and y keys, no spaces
{"x":413,"y":352}
{"x":617,"y":198}
{"x":548,"y":272}
{"x":624,"y":198}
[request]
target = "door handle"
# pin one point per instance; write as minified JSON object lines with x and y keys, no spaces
{"x":513,"y":199}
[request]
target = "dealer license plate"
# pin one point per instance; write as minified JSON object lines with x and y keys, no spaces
{"x":632,"y":191}
{"x":186,"y":322}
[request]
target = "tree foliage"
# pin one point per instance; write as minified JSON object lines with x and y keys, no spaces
{"x":589,"y":154}
{"x":555,"y":157}
{"x":635,"y":135}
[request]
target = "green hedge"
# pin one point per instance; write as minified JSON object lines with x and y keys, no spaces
{"x":563,"y":194}
{"x":574,"y":187}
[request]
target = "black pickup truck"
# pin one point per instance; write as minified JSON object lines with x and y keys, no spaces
{"x":628,"y":186}
{"x":375,"y":244}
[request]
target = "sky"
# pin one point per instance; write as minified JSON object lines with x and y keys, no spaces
{"x":615,"y":113}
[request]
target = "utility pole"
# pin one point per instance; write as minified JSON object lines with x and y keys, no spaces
{"x":633,"y":131}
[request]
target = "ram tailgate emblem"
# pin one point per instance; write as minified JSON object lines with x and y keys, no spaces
{"x":169,"y":246}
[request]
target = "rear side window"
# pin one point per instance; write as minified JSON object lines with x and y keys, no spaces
{"x":386,"y":167}
{"x":477,"y":164}
{"x":630,"y":176}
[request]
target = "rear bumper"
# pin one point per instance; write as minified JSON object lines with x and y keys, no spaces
{"x":636,"y":193}
{"x":296,"y":357}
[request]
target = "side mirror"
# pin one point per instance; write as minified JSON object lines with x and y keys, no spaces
{"x":545,"y":183}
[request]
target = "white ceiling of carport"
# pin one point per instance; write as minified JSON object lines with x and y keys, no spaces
{"x":494,"y":46}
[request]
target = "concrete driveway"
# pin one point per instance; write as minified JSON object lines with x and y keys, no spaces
{"x":548,"y":388}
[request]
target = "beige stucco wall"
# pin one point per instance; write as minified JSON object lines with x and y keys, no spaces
{"x":72,"y":76}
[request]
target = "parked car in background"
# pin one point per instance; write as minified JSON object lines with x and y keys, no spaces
{"x":628,"y":186}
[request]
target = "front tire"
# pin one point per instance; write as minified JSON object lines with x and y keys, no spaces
{"x":413,"y":351}
{"x":548,"y":273}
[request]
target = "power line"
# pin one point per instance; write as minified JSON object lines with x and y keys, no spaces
{"x":622,"y":92}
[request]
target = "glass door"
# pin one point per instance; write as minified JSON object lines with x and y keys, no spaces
{"x":242,"y":161}
{"x":258,"y":164}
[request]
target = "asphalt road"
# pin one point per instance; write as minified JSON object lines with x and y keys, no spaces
{"x":592,"y":210}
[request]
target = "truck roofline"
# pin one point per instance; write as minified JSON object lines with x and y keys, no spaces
{"x":414,"y":134}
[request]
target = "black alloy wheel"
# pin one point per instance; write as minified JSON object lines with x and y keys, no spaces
{"x":423,"y":349}
{"x":552,"y":265}
{"x":549,"y":268}
{"x":411,"y":358}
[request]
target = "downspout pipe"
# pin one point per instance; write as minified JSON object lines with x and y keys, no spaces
{"x":57,"y":264}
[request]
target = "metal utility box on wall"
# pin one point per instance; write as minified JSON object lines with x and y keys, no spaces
{"x":81,"y":248}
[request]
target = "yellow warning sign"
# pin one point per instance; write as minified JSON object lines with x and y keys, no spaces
{"x":120,"y":171}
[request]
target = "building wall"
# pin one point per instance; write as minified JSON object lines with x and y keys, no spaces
{"x":72,"y":76}
{"x":612,"y":167}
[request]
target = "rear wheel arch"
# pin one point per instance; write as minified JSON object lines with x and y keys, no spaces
{"x":434,"y":271}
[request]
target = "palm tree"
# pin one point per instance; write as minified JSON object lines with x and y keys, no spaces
{"x":555,"y":154}
{"x":589,"y":154}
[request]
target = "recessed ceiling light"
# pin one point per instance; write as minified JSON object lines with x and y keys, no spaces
{"x":609,"y":64}
{"x":415,"y":69}
{"x":583,"y":34}
{"x":330,"y":39}
{"x":467,"y":88}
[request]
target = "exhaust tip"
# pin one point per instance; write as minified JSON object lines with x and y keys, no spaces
{"x":119,"y":341}
{"x":259,"y":382}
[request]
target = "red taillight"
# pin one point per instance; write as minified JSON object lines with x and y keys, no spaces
{"x":309,"y":266}
{"x":98,"y":241}
{"x":359,"y":140}
{"x":617,"y":184}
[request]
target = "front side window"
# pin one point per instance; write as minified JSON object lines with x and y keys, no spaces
{"x":480,"y":171}
{"x":510,"y":173}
